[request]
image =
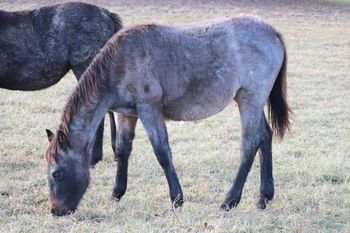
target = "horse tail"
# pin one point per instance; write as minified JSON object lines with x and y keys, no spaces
{"x":278,"y":109}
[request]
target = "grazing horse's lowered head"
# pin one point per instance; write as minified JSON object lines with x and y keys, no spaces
{"x":68,"y":159}
{"x":68,"y":176}
{"x":157,"y":72}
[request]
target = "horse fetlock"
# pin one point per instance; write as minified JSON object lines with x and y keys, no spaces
{"x":267,"y":192}
{"x":269,"y":195}
{"x":118,"y":191}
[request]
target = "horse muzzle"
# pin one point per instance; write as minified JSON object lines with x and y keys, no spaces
{"x":60,"y":210}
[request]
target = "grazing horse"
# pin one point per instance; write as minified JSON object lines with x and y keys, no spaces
{"x":38,"y":47}
{"x":153,"y":73}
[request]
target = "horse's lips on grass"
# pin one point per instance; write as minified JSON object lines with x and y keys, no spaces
{"x":62,"y":212}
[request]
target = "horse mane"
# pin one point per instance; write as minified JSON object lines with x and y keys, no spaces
{"x":93,"y":81}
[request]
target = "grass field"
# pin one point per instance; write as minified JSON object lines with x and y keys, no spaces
{"x":311,"y":166}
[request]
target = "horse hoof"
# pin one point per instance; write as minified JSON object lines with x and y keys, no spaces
{"x":115,"y":199}
{"x":227,"y":206}
{"x":116,"y":196}
{"x":262,"y":203}
{"x":178,"y":202}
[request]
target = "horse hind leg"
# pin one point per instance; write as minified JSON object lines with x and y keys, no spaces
{"x":265,"y":155}
{"x":124,"y":136}
{"x":250,"y":113}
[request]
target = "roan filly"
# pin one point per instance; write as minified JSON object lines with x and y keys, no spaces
{"x":154,"y":73}
{"x":38,"y":47}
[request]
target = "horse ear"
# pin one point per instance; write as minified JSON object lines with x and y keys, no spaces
{"x":50,"y":135}
{"x":62,"y":140}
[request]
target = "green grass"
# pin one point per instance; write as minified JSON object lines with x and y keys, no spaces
{"x":311,"y":166}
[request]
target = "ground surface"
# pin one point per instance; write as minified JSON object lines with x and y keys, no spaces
{"x":311,"y":166}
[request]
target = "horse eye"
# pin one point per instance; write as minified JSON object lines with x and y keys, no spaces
{"x":57,"y":175}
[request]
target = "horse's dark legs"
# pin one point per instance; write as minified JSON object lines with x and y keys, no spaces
{"x":125,"y":133}
{"x":250,"y":121}
{"x":153,"y":121}
{"x":97,"y":149}
{"x":265,"y":155}
{"x":113,"y":131}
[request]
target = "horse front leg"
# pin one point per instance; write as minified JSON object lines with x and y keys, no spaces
{"x":153,"y":121}
{"x":124,"y":136}
{"x":250,"y":123}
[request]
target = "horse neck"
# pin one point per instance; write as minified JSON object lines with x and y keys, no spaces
{"x":85,"y":121}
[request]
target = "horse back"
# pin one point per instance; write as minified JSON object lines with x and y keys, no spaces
{"x":38,"y":47}
{"x":196,"y":70}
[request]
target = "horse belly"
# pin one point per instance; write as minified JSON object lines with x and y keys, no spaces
{"x":31,"y":78}
{"x":201,"y":101}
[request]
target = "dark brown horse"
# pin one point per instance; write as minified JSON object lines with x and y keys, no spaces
{"x":38,"y":47}
{"x":155,"y":72}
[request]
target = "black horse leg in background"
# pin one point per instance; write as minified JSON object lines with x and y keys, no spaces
{"x":125,"y":133}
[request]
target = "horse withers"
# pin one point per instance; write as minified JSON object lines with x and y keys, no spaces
{"x":155,"y":72}
{"x":38,"y":47}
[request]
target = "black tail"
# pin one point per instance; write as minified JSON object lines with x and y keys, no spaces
{"x":278,"y":108}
